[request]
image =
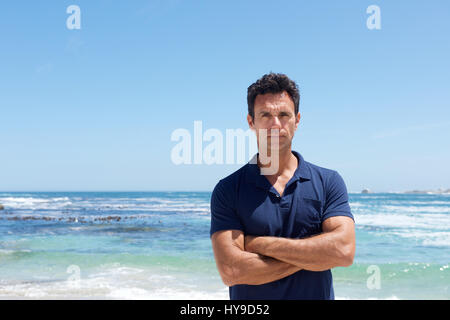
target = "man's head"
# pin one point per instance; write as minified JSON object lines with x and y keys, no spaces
{"x":273,"y":103}
{"x":272,"y":83}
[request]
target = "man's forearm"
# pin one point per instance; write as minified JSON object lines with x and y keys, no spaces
{"x":255,"y":269}
{"x":318,"y":253}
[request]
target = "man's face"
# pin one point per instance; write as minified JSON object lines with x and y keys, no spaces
{"x":275,"y":112}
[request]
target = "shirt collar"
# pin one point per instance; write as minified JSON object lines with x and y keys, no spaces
{"x":254,"y":173}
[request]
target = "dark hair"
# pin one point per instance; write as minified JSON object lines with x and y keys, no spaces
{"x":272,"y":83}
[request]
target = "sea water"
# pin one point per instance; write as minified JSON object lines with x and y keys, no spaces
{"x":156,"y":245}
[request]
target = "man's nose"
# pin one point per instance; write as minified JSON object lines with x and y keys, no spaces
{"x":276,"y":123}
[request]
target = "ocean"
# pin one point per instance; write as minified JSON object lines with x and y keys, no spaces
{"x":156,"y":245}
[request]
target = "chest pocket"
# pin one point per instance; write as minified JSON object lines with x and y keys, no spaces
{"x":307,"y":219}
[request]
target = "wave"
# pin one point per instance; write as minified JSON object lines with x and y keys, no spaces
{"x":391,"y":297}
{"x":98,"y":289}
{"x":422,"y":221}
{"x":430,"y":230}
{"x":93,"y":219}
{"x":427,"y":238}
{"x":116,"y":281}
{"x":35,"y":203}
{"x":415,"y":209}
{"x":105,"y":204}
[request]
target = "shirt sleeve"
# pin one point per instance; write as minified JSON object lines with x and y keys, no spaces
{"x":223,"y":212}
{"x":336,"y":202}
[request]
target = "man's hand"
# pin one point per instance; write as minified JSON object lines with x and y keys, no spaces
{"x":237,"y":266}
{"x":334,"y":247}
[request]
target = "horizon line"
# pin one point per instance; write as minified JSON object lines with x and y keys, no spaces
{"x":202,"y":191}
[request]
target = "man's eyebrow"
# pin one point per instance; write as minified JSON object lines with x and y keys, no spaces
{"x":282,"y":111}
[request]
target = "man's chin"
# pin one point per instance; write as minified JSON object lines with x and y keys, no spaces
{"x":278,"y":147}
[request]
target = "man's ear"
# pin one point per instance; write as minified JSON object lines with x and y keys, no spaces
{"x":297,"y":120}
{"x":250,"y":122}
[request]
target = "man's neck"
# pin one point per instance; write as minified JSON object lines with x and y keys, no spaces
{"x":287,"y":162}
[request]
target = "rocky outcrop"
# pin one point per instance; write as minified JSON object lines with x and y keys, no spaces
{"x":1,"y":207}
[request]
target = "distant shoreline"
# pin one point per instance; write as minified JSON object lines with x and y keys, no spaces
{"x":365,"y":191}
{"x":428,"y":192}
{"x":439,"y":191}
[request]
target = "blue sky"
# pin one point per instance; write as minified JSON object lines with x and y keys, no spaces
{"x":94,"y":109}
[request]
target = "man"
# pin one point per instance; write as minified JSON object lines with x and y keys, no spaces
{"x":276,"y":236}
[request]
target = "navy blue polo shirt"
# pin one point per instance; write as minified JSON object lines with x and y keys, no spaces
{"x":245,"y":200}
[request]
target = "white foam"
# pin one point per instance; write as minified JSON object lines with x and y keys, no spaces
{"x":392,"y":297}
{"x":35,"y":203}
{"x":115,"y":281}
{"x":168,"y":294}
{"x":437,"y":239}
{"x":9,"y":251}
{"x":429,"y":229}
{"x":415,"y":209}
{"x":201,"y":208}
{"x":356,"y":204}
{"x":395,"y":220}
{"x":431,"y":202}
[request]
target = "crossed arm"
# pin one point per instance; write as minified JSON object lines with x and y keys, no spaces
{"x":256,"y":260}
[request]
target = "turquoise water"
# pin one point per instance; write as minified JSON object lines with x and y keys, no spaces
{"x":155,"y":245}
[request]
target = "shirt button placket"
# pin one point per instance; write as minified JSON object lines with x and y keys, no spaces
{"x":284,"y":204}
